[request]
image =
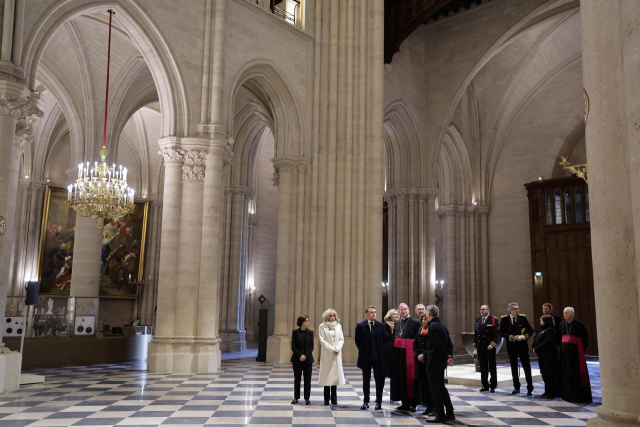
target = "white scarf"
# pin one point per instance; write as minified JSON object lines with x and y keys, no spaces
{"x":331,"y":325}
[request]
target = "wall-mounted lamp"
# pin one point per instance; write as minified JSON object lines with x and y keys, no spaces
{"x":385,"y":287}
{"x":144,"y":196}
{"x":438,"y":291}
{"x":475,"y":203}
{"x":47,"y":179}
{"x":540,"y":178}
{"x":538,"y":273}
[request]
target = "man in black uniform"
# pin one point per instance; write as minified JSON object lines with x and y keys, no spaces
{"x":484,"y":345}
{"x":516,"y":330}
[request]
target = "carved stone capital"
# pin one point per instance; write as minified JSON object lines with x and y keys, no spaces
{"x":288,"y":165}
{"x":242,"y":190}
{"x":12,"y":106}
{"x":445,"y":211}
{"x":172,"y":155}
{"x":156,"y":204}
{"x":413,"y":193}
{"x":194,"y":165}
{"x":24,"y":126}
{"x":253,"y":221}
{"x":484,"y":210}
{"x":227,"y":160}
{"x":390,"y":198}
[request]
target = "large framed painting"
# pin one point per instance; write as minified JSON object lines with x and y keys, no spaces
{"x":122,"y":256}
{"x":122,"y":260}
{"x":57,"y":237}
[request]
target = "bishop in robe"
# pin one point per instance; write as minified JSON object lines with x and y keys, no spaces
{"x":573,"y":376}
{"x":405,"y":332}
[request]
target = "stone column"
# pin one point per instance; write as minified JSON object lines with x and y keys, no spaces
{"x":451,"y":280}
{"x":392,"y":242}
{"x":232,"y":330}
{"x":189,"y":246}
{"x":28,"y":241}
{"x":149,"y":290}
{"x":13,"y":107}
{"x":473,"y":305}
{"x":610,"y":68}
{"x":160,"y":356}
{"x":462,"y":314}
{"x":484,"y":254}
{"x":87,"y":249}
{"x":249,"y":310}
{"x":210,"y":263}
{"x":279,"y":346}
{"x":431,"y":245}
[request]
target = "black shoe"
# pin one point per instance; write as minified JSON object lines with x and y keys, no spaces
{"x":529,"y":392}
{"x":430,"y":412}
{"x":412,"y":408}
{"x":450,"y":417}
{"x":365,"y":406}
{"x":403,"y":408}
{"x":294,"y":402}
{"x":516,"y":391}
{"x":483,"y":389}
{"x":326,"y":403}
{"x":378,"y":406}
{"x":334,"y":402}
{"x":306,"y":402}
{"x":492,"y":390}
{"x":437,"y":419}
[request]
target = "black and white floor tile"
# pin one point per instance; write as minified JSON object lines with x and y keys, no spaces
{"x":246,"y":392}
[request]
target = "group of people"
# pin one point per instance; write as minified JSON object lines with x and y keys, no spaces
{"x":559,"y":345}
{"x":412,"y":353}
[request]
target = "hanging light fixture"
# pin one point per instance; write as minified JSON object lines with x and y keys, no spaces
{"x":101,"y":191}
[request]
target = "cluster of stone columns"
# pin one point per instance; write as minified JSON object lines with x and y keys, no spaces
{"x":186,"y":337}
{"x":18,"y":111}
{"x":330,"y":209}
{"x":235,"y":268}
{"x":412,"y":245}
{"x":464,"y":266}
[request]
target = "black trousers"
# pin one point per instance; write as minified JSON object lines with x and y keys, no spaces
{"x":523,"y":354}
{"x":548,"y":370}
{"x":298,"y":370}
{"x":423,"y":390}
{"x":440,"y":394}
{"x":331,"y":391}
{"x":487,"y":361}
{"x":378,"y":375}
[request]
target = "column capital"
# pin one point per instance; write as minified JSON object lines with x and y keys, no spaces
{"x":227,"y":160}
{"x":253,"y":220}
{"x":12,"y":106}
{"x":172,"y":155}
{"x":286,"y":164}
{"x":484,"y":210}
{"x":413,"y":193}
{"x":243,"y":190}
{"x":449,"y":210}
{"x":155,"y":203}
{"x":193,"y":165}
{"x":25,"y":121}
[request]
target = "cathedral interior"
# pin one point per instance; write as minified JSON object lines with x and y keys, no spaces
{"x":229,"y":165}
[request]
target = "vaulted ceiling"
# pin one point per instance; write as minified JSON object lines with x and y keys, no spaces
{"x":402,"y":17}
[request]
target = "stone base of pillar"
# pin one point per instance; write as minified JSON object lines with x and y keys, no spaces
{"x":10,"y":367}
{"x":608,"y":418}
{"x":233,"y":341}
{"x":184,"y":356}
{"x":252,"y":337}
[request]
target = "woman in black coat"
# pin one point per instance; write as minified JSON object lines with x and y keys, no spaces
{"x":302,"y":358}
{"x":421,"y":385}
{"x":544,"y":346}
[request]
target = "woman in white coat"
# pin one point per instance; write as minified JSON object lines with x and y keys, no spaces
{"x":331,"y":340}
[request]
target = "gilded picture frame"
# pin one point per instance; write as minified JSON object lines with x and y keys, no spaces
{"x":55,"y":255}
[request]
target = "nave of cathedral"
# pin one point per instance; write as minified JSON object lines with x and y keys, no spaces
{"x":269,"y":159}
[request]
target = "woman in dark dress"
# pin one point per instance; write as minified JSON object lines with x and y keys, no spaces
{"x":302,"y":358}
{"x":422,"y":390}
{"x":544,"y":346}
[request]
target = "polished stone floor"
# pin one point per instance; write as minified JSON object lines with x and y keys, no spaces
{"x":246,"y":392}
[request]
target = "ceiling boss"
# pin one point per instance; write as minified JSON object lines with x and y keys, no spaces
{"x":101,"y":190}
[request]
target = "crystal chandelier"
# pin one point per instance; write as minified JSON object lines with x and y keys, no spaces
{"x":101,"y":191}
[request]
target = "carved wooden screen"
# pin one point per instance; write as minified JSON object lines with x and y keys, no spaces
{"x":561,"y":250}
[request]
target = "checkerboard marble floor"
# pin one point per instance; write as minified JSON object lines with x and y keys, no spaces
{"x":246,"y":392}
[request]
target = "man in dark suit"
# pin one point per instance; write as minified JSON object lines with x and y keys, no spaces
{"x":370,"y":340}
{"x":439,"y":355}
{"x":485,"y":342}
{"x":547,"y":308}
{"x":405,"y":332}
{"x":302,"y":358}
{"x":516,"y":330}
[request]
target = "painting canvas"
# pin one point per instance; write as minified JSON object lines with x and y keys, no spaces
{"x":55,"y":263}
{"x":123,"y":241}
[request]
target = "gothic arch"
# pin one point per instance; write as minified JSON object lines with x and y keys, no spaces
{"x":403,"y":148}
{"x":144,"y":34}
{"x":455,"y":176}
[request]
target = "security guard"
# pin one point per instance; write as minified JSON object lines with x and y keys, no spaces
{"x":516,"y":330}
{"x":484,"y":345}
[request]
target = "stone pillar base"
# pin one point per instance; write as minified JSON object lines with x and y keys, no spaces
{"x":233,"y":341}
{"x":10,"y":367}
{"x":608,"y":418}
{"x":183,"y":356}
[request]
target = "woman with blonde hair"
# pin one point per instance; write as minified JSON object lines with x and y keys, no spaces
{"x":391,"y":317}
{"x":331,"y":340}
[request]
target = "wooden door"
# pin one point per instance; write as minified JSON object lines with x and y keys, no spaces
{"x":561,"y":250}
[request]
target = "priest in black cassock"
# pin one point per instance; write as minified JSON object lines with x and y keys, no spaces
{"x":405,"y":332}
{"x":573,"y":376}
